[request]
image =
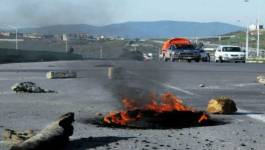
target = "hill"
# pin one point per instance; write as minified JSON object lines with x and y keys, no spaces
{"x":239,"y":38}
{"x":157,"y":29}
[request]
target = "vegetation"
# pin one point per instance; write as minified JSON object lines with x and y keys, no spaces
{"x":239,"y":39}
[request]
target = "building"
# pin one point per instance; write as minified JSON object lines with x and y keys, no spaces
{"x":254,"y":27}
{"x":4,"y":34}
{"x":32,"y":36}
{"x":76,"y":36}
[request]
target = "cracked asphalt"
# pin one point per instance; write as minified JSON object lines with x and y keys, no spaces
{"x":90,"y":94}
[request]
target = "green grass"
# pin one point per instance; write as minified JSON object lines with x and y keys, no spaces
{"x":239,"y":39}
{"x":256,"y":59}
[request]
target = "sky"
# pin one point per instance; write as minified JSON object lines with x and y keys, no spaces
{"x":34,"y":13}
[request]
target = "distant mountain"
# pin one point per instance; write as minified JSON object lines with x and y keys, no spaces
{"x":157,"y":29}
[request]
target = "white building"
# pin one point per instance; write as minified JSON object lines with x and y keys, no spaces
{"x":254,"y":27}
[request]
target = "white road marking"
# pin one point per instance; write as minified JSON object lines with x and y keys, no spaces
{"x":260,"y":117}
{"x":6,"y":92}
{"x":165,"y":85}
{"x":245,"y":84}
{"x":173,"y":87}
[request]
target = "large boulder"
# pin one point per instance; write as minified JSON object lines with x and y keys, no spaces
{"x":261,"y":79}
{"x":29,"y":87}
{"x":54,"y":137}
{"x":221,"y":105}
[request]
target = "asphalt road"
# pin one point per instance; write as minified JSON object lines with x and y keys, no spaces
{"x":92,"y":92}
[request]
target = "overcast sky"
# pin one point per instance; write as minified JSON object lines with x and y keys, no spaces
{"x":100,"y":12}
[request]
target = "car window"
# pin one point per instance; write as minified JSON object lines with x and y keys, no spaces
{"x":231,"y":49}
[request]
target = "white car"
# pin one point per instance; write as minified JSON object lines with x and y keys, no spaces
{"x":228,"y":53}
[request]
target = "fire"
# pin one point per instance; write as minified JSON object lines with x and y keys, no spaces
{"x":133,"y":111}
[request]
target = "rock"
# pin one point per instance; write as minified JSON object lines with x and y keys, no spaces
{"x":54,"y":136}
{"x":61,"y":74}
{"x":99,"y":114}
{"x":14,"y":137}
{"x":261,"y":79}
{"x":29,"y":87}
{"x":202,"y":85}
{"x":221,"y":105}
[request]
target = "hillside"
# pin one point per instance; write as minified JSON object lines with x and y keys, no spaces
{"x":239,"y":38}
{"x":157,"y":29}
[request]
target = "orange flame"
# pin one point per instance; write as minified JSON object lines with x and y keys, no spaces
{"x":168,"y":102}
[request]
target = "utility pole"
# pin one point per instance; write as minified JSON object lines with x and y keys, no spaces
{"x":16,"y":29}
{"x":158,"y":54}
{"x":66,"y":45}
{"x":247,"y":40}
{"x":258,"y":38}
{"x":101,"y":53}
{"x":16,"y":39}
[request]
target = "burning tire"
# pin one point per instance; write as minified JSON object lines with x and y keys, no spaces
{"x":166,"y":111}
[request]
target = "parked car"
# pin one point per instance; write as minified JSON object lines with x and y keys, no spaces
{"x":179,"y":49}
{"x":204,"y":55}
{"x":187,"y":52}
{"x":228,"y":53}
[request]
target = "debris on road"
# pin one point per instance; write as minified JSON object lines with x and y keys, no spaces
{"x":61,"y":74}
{"x":14,"y":137}
{"x":202,"y":85}
{"x":221,"y":105}
{"x":29,"y":87}
{"x":55,"y":136}
{"x":261,"y":79}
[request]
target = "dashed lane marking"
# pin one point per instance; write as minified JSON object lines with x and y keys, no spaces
{"x":166,"y":85}
{"x":260,"y":117}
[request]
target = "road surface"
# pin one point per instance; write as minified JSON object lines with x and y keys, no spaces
{"x":92,"y":92}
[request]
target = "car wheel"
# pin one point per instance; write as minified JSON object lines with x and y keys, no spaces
{"x":216,"y":60}
{"x":172,"y":59}
{"x":208,"y":59}
{"x":165,"y":59}
{"x":197,"y":60}
{"x":221,"y":60}
{"x":189,"y":60}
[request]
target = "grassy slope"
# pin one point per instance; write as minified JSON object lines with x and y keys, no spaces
{"x":240,"y":40}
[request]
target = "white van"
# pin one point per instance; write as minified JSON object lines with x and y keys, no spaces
{"x":227,"y":53}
